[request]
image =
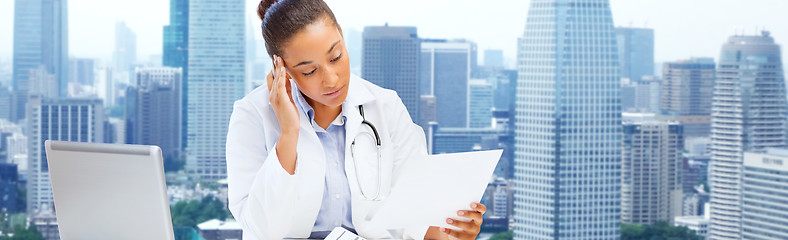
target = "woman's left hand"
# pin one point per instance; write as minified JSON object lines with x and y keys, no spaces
{"x":470,"y":229}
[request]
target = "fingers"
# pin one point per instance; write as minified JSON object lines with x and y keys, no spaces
{"x":270,"y":80}
{"x":288,"y":88}
{"x":470,"y":229}
{"x":467,"y":226}
{"x":282,"y":78}
{"x":458,"y":233}
{"x":274,"y":76}
{"x":479,"y":207}
{"x":475,"y":215}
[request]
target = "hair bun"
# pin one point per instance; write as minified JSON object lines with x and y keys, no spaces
{"x":263,"y":7}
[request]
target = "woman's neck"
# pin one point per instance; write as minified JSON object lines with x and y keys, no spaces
{"x":324,"y":115}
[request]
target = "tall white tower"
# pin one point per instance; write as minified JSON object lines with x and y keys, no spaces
{"x":748,"y":113}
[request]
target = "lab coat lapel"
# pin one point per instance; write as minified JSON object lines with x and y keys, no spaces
{"x":358,"y":94}
{"x":351,"y":130}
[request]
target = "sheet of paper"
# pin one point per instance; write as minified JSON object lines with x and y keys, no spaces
{"x":431,"y":190}
{"x":340,"y":233}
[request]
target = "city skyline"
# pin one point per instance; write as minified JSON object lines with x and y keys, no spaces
{"x":592,"y":141}
{"x":674,"y":39}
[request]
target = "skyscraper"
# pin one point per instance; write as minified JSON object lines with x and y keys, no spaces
{"x":216,"y":79}
{"x":176,"y":35}
{"x":82,"y":71}
{"x":40,"y":39}
{"x":748,"y":114}
{"x":505,"y":87}
{"x":568,"y":123}
{"x":651,"y":187}
{"x":764,"y":202}
{"x":125,"y":55}
{"x":635,"y":52}
{"x":175,"y":52}
{"x":105,"y":85}
{"x":453,"y":140}
{"x":154,"y":116}
{"x":42,"y":83}
{"x":391,"y":60}
{"x":687,"y":89}
{"x":445,"y":71}
{"x":6,"y":102}
{"x":76,"y":120}
{"x":480,"y":103}
{"x":640,"y":96}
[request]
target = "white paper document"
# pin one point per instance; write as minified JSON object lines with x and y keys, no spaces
{"x":429,"y":191}
{"x":340,"y":233}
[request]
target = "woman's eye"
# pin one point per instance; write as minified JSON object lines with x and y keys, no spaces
{"x":337,"y":58}
{"x":310,"y":73}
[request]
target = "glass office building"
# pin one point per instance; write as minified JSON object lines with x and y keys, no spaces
{"x":216,"y":75}
{"x":391,"y":60}
{"x":635,"y":52}
{"x":568,"y":123}
{"x":40,"y":39}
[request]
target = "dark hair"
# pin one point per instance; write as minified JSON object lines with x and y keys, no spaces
{"x":284,"y":18}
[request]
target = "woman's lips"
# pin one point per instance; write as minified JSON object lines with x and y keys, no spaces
{"x":334,"y":93}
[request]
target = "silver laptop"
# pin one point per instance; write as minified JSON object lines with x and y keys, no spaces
{"x":109,"y":191}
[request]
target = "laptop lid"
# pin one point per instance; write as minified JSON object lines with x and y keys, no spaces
{"x":109,"y":191}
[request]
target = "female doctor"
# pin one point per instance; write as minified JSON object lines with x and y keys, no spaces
{"x":319,"y":148}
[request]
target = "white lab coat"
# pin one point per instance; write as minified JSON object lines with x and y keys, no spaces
{"x":269,"y":203}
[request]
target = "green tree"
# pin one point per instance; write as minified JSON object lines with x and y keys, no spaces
{"x":658,"y":231}
{"x":20,"y":233}
{"x":191,"y":213}
{"x":502,"y":236}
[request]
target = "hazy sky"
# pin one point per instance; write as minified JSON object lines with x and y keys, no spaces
{"x":683,"y":28}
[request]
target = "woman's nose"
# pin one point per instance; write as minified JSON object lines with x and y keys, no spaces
{"x":331,"y":78}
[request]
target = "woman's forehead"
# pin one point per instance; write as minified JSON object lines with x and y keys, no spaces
{"x":316,"y":40}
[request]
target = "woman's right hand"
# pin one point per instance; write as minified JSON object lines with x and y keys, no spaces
{"x":286,"y":113}
{"x":281,"y":98}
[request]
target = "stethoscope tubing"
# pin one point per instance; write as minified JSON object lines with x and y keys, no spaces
{"x":355,"y":161}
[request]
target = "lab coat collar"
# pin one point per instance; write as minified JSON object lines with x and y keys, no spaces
{"x":358,"y":94}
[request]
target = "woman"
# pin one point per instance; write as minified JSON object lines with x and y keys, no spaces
{"x":288,"y":145}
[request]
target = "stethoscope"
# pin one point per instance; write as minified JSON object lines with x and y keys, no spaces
{"x":364,"y":121}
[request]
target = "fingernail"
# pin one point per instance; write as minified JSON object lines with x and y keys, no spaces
{"x":448,"y":220}
{"x":443,"y":229}
{"x":473,"y":205}
{"x":460,"y":213}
